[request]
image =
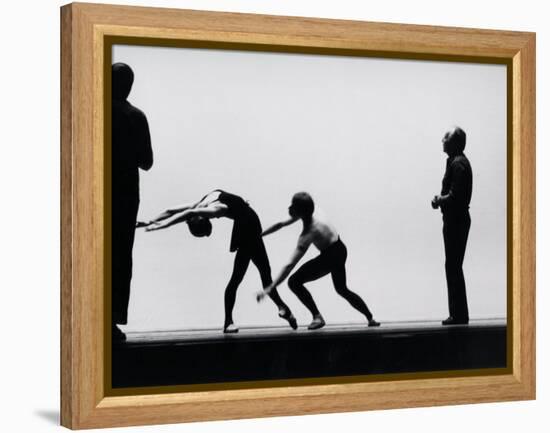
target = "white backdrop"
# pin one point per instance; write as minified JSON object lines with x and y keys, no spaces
{"x":30,"y":221}
{"x":362,"y":135}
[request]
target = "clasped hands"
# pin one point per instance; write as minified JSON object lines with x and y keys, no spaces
{"x":436,"y":201}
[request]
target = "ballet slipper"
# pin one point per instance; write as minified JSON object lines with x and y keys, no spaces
{"x":317,"y":323}
{"x":289,"y":317}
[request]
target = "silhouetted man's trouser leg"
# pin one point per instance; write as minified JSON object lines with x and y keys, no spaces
{"x":124,"y":215}
{"x":455,"y":235}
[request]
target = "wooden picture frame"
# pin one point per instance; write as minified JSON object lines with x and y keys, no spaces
{"x":85,"y":28}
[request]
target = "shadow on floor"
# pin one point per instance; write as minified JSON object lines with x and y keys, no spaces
{"x":50,"y":415}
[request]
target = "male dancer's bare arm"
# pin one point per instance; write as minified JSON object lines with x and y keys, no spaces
{"x":278,"y":226}
{"x":301,"y":249}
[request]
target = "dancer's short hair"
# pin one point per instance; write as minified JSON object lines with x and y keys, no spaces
{"x":199,"y":226}
{"x":302,"y":205}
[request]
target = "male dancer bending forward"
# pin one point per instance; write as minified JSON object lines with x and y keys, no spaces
{"x":332,"y":260}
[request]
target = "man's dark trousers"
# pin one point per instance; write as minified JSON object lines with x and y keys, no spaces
{"x":124,"y":216}
{"x":456,"y":226}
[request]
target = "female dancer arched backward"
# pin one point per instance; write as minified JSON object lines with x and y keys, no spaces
{"x":331,"y":260}
{"x":246,"y":240}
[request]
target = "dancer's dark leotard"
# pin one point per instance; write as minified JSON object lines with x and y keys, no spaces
{"x":246,"y":240}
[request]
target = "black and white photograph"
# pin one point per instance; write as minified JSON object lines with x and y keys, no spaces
{"x":283,"y":216}
{"x":275,"y":216}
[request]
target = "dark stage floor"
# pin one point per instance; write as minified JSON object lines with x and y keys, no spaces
{"x":209,"y":356}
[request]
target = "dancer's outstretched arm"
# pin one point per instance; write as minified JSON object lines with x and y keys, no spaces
{"x":279,"y":226}
{"x":168,"y":213}
{"x":303,"y":244}
{"x":214,"y":211}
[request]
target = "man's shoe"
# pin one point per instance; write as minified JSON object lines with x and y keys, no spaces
{"x":453,"y":321}
{"x":289,"y":317}
{"x":448,"y":321}
{"x":317,"y":323}
{"x":230,"y":329}
{"x":373,"y":323}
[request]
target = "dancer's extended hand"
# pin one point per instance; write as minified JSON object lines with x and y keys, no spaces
{"x":140,"y":224}
{"x":260,"y":296}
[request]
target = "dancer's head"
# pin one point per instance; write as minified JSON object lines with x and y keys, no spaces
{"x":302,"y":205}
{"x":199,"y":226}
{"x":454,"y":141}
{"x":123,"y":78}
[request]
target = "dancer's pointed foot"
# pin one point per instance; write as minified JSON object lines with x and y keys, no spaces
{"x":317,"y":323}
{"x":286,"y":314}
{"x":373,"y":323}
{"x":230,"y":329}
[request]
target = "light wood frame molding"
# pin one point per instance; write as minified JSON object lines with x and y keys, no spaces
{"x":84,"y":28}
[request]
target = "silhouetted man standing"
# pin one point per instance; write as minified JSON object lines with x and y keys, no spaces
{"x":131,"y":150}
{"x":454,"y":203}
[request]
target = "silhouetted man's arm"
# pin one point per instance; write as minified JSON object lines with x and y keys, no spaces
{"x":143,"y":143}
{"x":458,"y":186}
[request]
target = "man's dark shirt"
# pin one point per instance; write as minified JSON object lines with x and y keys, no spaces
{"x":131,"y":148}
{"x":457,"y":183}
